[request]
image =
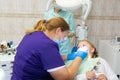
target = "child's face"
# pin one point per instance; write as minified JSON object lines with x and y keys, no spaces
{"x":85,"y":43}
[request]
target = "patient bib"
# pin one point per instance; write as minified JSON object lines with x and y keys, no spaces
{"x":87,"y":65}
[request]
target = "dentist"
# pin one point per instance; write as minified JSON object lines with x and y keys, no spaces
{"x":38,"y":57}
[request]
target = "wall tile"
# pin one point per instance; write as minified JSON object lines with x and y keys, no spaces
{"x":18,"y":15}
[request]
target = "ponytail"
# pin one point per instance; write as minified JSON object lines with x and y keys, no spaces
{"x":40,"y":26}
{"x":50,"y":25}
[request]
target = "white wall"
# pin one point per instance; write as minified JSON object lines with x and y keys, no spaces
{"x":18,"y":15}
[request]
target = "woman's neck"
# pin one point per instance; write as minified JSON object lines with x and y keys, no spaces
{"x":49,"y":34}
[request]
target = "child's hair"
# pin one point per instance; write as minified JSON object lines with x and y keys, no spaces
{"x":50,"y":25}
{"x":95,"y":53}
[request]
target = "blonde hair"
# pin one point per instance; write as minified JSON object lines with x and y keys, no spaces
{"x":95,"y":53}
{"x":50,"y":25}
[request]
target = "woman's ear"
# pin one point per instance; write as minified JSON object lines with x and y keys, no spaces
{"x":58,"y":30}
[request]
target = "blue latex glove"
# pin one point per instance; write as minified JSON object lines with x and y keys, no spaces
{"x":81,"y":54}
{"x":74,"y":49}
{"x":73,"y":55}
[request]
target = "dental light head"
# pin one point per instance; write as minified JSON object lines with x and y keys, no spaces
{"x":73,"y":5}
{"x":69,"y":4}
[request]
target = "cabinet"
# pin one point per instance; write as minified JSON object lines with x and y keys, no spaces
{"x":6,"y":64}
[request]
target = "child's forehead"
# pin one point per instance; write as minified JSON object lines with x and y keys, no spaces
{"x":83,"y":42}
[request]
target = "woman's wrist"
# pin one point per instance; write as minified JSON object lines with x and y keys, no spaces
{"x":64,"y":57}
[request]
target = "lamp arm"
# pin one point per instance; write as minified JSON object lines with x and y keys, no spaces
{"x":48,"y":4}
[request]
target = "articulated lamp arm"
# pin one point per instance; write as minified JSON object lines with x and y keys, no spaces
{"x":86,"y":7}
{"x":48,"y":4}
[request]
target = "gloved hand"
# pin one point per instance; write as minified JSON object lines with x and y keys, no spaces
{"x":81,"y":54}
{"x":74,"y":49}
{"x":71,"y":56}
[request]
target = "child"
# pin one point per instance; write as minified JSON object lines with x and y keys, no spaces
{"x":93,"y":67}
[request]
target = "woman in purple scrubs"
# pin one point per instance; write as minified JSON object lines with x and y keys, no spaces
{"x":38,"y":57}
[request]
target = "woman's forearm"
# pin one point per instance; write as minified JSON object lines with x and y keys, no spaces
{"x":73,"y":68}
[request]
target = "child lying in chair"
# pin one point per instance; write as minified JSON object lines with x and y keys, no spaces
{"x":93,"y":67}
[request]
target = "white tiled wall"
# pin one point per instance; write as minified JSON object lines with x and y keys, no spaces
{"x":18,"y":15}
